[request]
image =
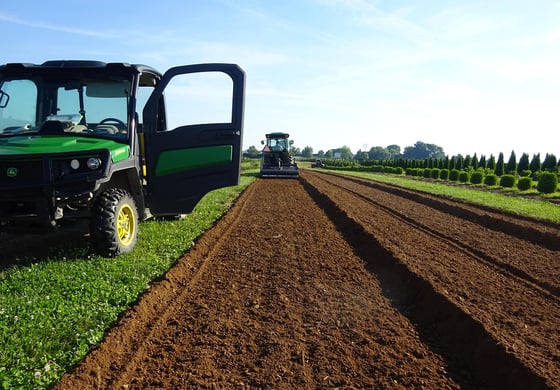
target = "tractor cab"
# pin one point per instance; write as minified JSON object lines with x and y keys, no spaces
{"x":277,"y":160}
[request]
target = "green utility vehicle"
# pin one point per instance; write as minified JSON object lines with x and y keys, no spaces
{"x":100,"y":142}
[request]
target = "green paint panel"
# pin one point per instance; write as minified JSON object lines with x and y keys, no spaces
{"x":37,"y":145}
{"x":120,"y":153}
{"x":173,"y":161}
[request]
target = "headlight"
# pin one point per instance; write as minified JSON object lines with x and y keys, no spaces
{"x":80,"y":164}
{"x":93,"y":163}
{"x":75,"y":164}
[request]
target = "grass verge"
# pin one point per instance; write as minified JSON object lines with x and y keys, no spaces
{"x":54,"y":310}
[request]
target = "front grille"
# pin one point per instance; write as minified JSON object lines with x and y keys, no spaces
{"x":19,"y":171}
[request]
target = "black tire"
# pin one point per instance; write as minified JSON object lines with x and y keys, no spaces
{"x":114,"y":223}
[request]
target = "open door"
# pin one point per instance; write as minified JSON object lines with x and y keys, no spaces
{"x":184,"y":161}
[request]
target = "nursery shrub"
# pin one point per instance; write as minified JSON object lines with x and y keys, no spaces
{"x":387,"y":169}
{"x":454,"y":175}
{"x":525,"y":183}
{"x":476,"y":177}
{"x":547,"y":183}
{"x":417,"y":172}
{"x":427,"y":173}
{"x":444,"y":174}
{"x":435,"y":173}
{"x":507,"y":181}
{"x":491,"y":179}
{"x":536,"y":176}
{"x":463,"y":177}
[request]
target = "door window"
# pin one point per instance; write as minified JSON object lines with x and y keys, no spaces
{"x":199,"y":98}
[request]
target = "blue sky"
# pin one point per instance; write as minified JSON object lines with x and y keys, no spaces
{"x":470,"y":76}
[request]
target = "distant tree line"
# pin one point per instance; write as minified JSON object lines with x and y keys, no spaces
{"x":419,"y":150}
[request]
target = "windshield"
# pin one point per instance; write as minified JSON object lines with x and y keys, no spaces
{"x":88,"y":106}
{"x":278,"y":144}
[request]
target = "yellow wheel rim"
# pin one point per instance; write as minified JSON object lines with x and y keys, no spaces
{"x":126,"y":225}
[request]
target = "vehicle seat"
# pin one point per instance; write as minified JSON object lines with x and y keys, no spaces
{"x":105,"y":129}
{"x":78,"y":129}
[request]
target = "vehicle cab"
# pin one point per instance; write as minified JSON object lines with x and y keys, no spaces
{"x":72,"y":130}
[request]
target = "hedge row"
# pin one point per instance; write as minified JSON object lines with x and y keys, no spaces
{"x":547,"y":182}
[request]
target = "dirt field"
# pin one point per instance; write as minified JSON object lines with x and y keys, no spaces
{"x":326,"y":282}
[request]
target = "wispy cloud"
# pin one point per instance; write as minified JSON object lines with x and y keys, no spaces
{"x":367,"y":14}
{"x":45,"y":26}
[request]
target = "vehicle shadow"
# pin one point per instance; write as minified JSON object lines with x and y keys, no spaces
{"x":24,"y":249}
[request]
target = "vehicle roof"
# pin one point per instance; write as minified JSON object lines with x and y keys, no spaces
{"x":278,"y":135}
{"x":17,"y":67}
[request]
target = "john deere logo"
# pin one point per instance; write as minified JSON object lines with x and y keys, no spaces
{"x":11,"y":172}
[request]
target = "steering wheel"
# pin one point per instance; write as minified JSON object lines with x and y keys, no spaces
{"x":120,"y":123}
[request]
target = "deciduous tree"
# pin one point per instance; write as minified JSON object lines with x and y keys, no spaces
{"x":307,"y":152}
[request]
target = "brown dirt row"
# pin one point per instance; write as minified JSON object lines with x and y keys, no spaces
{"x":499,"y":275}
{"x":330,"y":283}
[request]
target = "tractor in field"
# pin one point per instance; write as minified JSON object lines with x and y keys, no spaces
{"x":103,"y":143}
{"x":317,"y":164}
{"x":276,"y":158}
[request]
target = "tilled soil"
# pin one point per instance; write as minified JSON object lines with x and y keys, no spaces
{"x":330,"y":282}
